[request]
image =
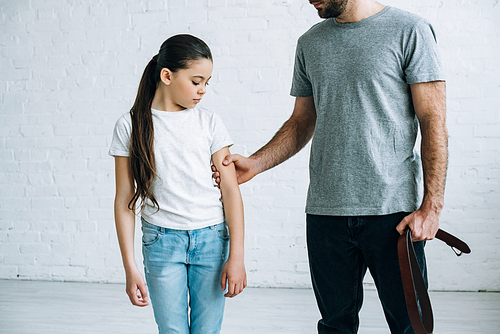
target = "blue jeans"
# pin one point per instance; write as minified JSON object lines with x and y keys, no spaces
{"x":183,"y":272}
{"x":340,"y":251}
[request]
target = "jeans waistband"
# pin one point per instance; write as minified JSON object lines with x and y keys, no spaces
{"x":171,"y":230}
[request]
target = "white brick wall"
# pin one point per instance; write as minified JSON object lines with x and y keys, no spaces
{"x":69,"y":69}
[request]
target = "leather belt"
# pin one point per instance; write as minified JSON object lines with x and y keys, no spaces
{"x":413,"y":282}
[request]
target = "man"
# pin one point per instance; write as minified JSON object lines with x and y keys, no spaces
{"x":362,"y":78}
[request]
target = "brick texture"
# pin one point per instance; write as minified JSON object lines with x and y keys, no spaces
{"x":69,"y":69}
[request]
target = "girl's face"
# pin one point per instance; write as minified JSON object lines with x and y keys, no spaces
{"x":187,"y":86}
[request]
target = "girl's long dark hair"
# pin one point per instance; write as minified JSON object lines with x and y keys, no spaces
{"x":176,"y":53}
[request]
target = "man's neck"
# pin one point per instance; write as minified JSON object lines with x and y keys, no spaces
{"x":358,"y":10}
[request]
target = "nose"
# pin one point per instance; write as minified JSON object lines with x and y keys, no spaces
{"x":202,"y":90}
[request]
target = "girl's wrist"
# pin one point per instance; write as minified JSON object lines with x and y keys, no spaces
{"x":130,"y":267}
{"x":236,"y":255}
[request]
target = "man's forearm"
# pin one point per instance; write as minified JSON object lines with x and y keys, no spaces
{"x":430,"y":106}
{"x":434,"y":151}
{"x":429,"y":100}
{"x":290,"y":138}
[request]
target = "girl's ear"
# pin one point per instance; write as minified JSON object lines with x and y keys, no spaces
{"x":166,"y":76}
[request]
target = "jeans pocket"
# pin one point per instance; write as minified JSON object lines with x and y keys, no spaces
{"x":150,"y":234}
{"x":222,"y":231}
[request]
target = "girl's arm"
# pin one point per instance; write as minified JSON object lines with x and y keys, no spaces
{"x":125,"y":228}
{"x":234,"y":270}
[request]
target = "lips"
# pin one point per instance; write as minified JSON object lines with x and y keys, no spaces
{"x":315,"y":4}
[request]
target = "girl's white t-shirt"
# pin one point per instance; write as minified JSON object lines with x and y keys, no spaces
{"x":183,"y":146}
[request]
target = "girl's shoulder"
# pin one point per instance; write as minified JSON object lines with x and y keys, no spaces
{"x":124,"y":120}
{"x":206,"y":116}
{"x":207,"y":113}
{"x":203,"y":111}
{"x":124,"y":123}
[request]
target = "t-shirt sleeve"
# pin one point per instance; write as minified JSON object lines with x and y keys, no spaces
{"x":220,"y":135}
{"x":301,"y":85}
{"x":423,"y":63}
{"x":120,"y":144}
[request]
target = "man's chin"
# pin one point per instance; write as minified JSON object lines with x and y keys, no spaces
{"x":321,"y":12}
{"x":324,"y":13}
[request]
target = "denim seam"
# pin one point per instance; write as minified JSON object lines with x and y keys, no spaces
{"x":356,"y":288}
{"x":152,"y":242}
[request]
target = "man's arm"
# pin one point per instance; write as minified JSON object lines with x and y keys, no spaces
{"x":429,"y":100}
{"x":290,"y":139}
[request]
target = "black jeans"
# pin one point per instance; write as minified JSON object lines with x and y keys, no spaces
{"x":340,"y":250}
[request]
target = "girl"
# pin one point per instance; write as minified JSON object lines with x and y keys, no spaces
{"x":163,"y":152}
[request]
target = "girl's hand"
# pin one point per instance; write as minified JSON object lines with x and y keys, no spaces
{"x":235,"y":275}
{"x":135,"y":283}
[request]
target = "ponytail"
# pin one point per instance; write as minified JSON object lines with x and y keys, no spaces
{"x":142,"y":158}
{"x":176,"y":53}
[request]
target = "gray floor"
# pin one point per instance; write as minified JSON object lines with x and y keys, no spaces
{"x":36,"y":307}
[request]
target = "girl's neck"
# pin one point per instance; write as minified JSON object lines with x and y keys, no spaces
{"x":163,"y":102}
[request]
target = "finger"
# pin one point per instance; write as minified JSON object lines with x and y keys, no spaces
{"x":140,"y":302}
{"x":403,"y":225}
{"x":230,"y":290}
{"x":144,"y":294}
{"x":417,"y":236}
{"x":131,"y":298}
{"x":239,"y":289}
{"x":236,"y":291}
{"x":242,"y":286}
{"x":216,"y":177}
{"x":229,"y":159}
{"x":433,"y":232}
{"x":136,"y":300}
{"x":223,"y":281}
{"x":417,"y":233}
{"x":214,"y":169}
{"x":132,"y":295}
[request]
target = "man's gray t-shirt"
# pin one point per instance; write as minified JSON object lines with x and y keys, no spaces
{"x":362,"y":159}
